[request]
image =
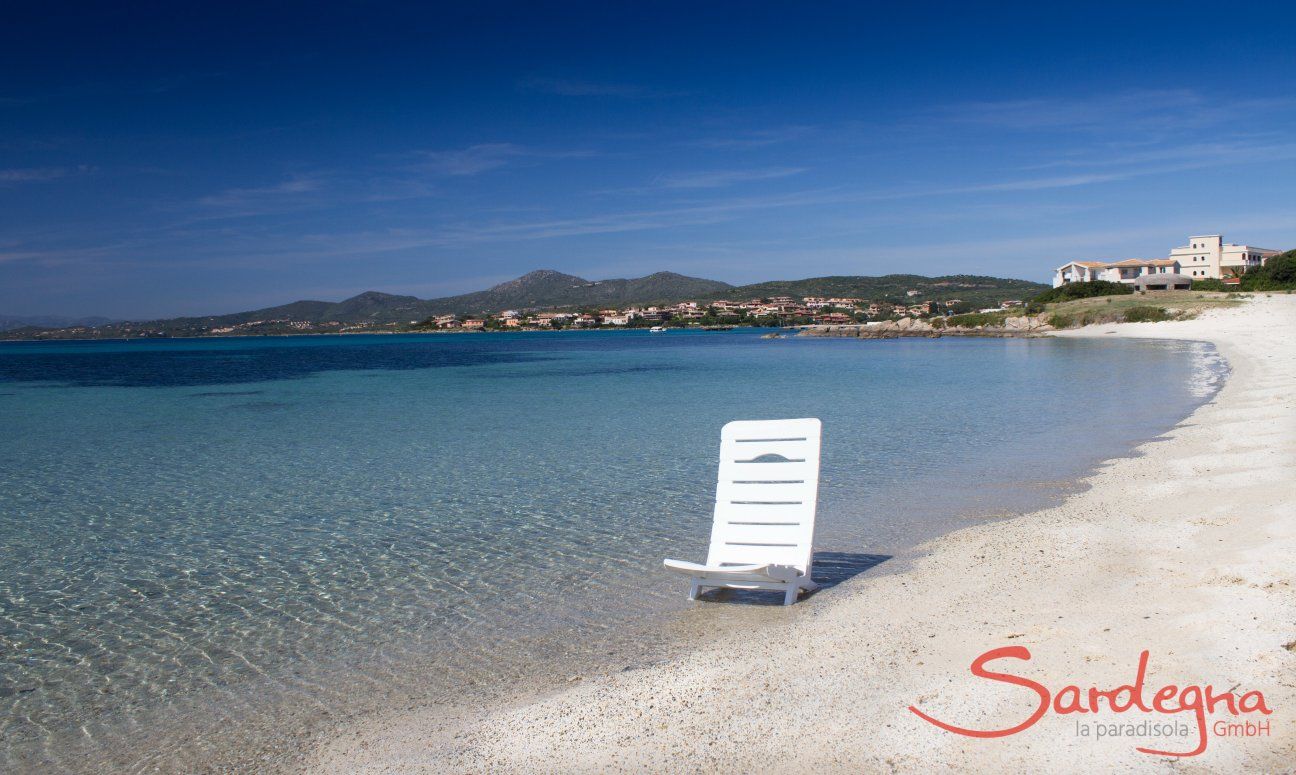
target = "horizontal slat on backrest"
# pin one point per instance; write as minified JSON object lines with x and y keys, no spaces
{"x":764,"y":492}
{"x":769,"y":533}
{"x":779,"y":493}
{"x":740,"y":540}
{"x":757,"y":555}
{"x":754,"y":450}
{"x":731,"y":470}
{"x":761,"y":512}
{"x":769,"y":429}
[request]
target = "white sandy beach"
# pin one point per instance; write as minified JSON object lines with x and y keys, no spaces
{"x":1187,"y":550}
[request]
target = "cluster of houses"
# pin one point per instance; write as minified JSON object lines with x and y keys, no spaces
{"x":284,"y":323}
{"x":782,"y":308}
{"x":1205,"y":257}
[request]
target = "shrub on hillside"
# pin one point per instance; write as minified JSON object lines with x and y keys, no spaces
{"x":1087,"y":290}
{"x":1210,"y":284}
{"x":1147,"y":315}
{"x":977,"y":319}
{"x":1104,"y":314}
{"x":1083,"y":317}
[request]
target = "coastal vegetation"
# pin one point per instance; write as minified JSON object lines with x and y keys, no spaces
{"x":1032,"y":319}
{"x":1088,"y":317}
{"x":1084,"y":290}
{"x":1277,"y":274}
{"x":1136,"y":308}
{"x":1149,"y":314}
{"x":973,"y":291}
{"x":977,"y":319}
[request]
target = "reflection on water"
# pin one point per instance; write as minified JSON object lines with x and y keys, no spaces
{"x":389,"y":517}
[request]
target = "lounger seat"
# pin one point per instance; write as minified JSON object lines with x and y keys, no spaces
{"x":763,"y":530}
{"x":779,"y":573}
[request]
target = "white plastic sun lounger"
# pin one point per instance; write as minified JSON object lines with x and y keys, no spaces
{"x":763,"y":530}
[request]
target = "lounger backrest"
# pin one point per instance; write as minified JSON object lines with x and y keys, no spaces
{"x":767,"y":492}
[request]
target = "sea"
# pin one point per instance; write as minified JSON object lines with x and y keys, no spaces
{"x":211,"y":549}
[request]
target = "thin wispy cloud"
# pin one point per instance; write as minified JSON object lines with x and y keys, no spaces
{"x":1057,"y":113}
{"x":723,"y":178}
{"x":567,"y":87}
{"x":465,"y":233}
{"x":239,"y":198}
{"x":1242,"y":151}
{"x":1003,"y":186}
{"x":320,"y":190}
{"x":1121,"y":112}
{"x":473,"y":160}
{"x":1175,"y":162}
{"x":755,"y":138}
{"x":7,"y":257}
{"x":175,"y":81}
{"x":458,"y":234}
{"x":294,"y":195}
{"x":84,"y":256}
{"x":484,"y":157}
{"x":39,"y":174}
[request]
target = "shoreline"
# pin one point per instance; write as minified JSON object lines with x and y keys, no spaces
{"x":445,"y":332}
{"x":1175,"y":550}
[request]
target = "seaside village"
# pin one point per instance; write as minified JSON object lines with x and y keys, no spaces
{"x":775,"y":310}
{"x":1204,"y":257}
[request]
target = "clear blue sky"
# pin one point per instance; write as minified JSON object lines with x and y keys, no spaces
{"x":169,"y":160}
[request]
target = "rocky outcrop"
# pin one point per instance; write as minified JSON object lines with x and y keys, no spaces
{"x":1020,"y":326}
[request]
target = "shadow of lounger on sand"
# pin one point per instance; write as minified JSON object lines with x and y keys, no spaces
{"x":828,"y":570}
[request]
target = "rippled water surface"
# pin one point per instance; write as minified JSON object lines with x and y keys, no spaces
{"x":207,"y":527}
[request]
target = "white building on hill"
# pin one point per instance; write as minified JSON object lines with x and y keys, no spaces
{"x":1211,"y":256}
{"x":1126,"y":271}
{"x":1204,"y":257}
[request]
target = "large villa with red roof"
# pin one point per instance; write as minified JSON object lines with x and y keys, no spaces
{"x":1202,"y":258}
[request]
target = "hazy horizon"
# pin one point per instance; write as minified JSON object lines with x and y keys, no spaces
{"x":205,"y":160}
{"x":471,"y":290}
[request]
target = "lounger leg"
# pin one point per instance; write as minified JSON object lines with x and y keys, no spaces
{"x":693,"y":589}
{"x":790,"y":596}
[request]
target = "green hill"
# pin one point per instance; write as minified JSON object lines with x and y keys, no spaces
{"x":972,"y":289}
{"x":547,"y":288}
{"x":542,"y":289}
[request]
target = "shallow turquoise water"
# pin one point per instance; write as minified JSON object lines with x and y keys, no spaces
{"x":182,"y":519}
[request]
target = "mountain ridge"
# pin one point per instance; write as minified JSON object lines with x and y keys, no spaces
{"x":549,"y":288}
{"x":8,"y":322}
